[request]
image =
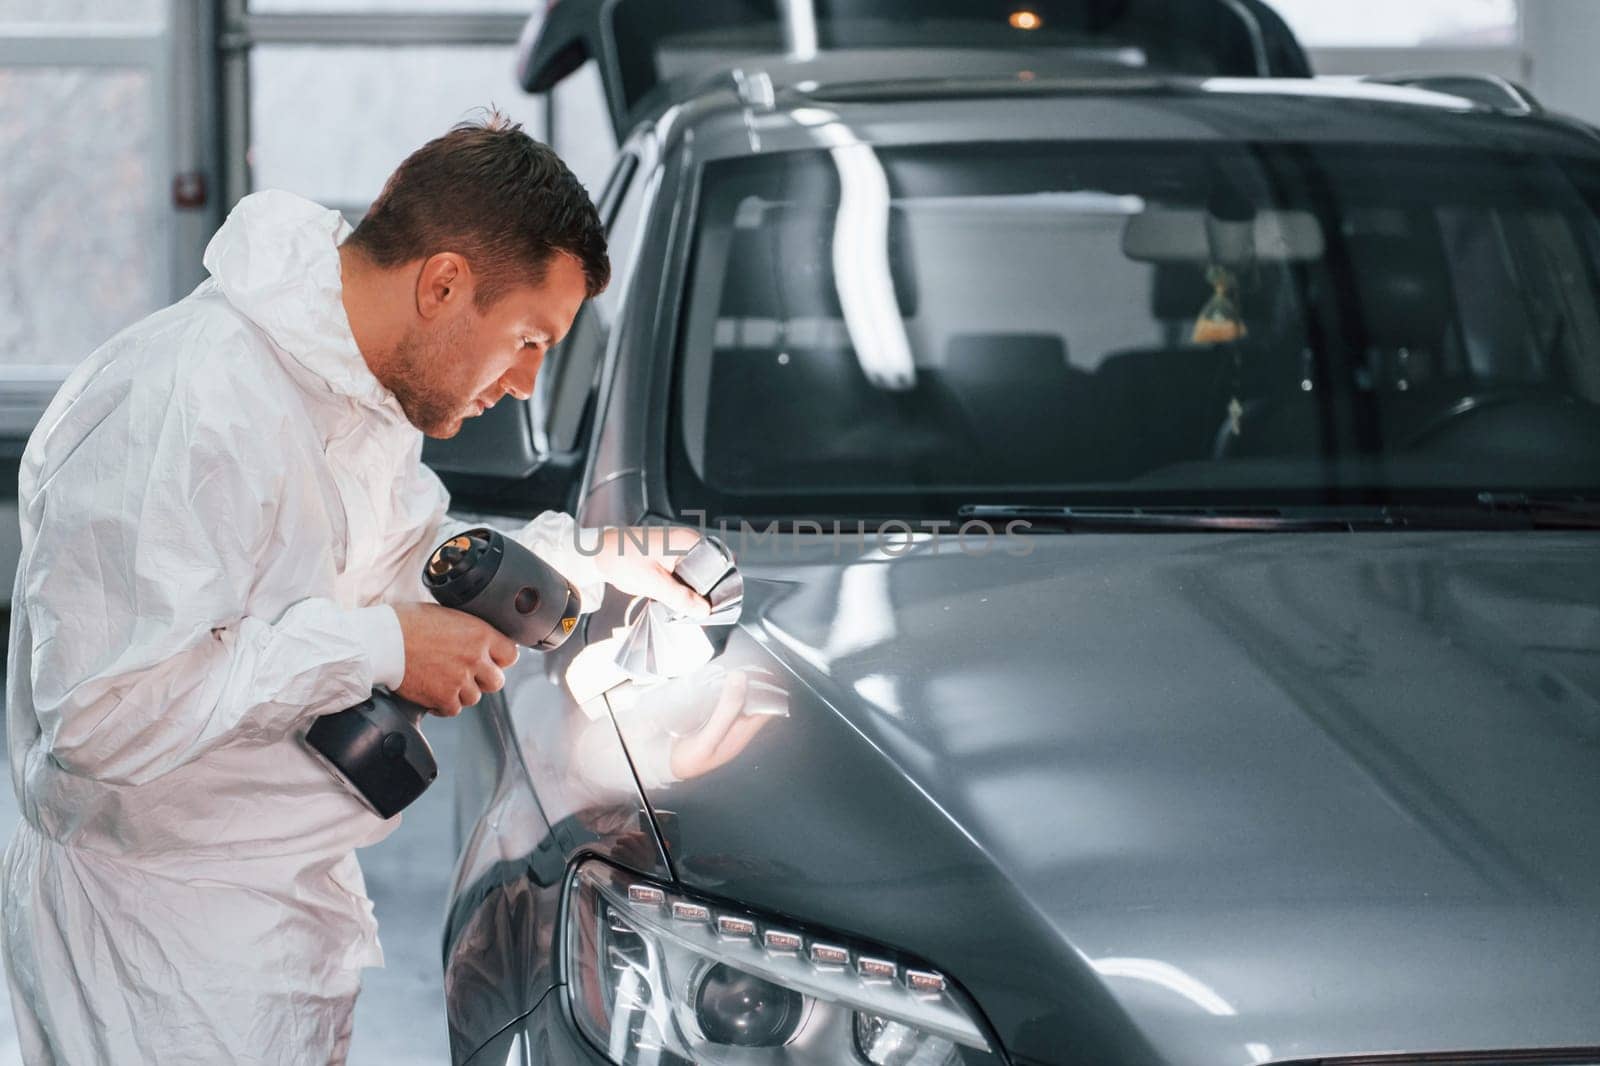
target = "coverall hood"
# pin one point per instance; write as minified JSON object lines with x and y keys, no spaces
{"x":270,"y":259}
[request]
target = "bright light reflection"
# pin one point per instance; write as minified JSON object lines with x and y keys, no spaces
{"x":1075,"y":202}
{"x":879,"y":690}
{"x":801,"y":24}
{"x":861,"y":269}
{"x":1340,"y":88}
{"x":813,"y":116}
{"x":863,"y":616}
{"x":861,"y":255}
{"x":1169,"y":977}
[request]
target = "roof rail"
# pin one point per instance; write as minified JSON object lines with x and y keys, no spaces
{"x":1488,"y":90}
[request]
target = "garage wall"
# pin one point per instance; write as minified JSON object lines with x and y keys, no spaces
{"x":1562,"y":37}
{"x":1555,"y":57}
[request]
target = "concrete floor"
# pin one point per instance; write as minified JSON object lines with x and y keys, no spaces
{"x":400,"y":1015}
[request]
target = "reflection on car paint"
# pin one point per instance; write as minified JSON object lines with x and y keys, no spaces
{"x":693,"y":725}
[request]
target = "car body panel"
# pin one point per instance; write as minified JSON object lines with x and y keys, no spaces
{"x":1227,"y":794}
{"x":545,"y":1036}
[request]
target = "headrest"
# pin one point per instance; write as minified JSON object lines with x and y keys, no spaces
{"x":984,"y":352}
{"x":780,"y":263}
{"x":1177,"y":291}
{"x":1403,"y":288}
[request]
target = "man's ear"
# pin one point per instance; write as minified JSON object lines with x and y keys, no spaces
{"x":444,"y":282}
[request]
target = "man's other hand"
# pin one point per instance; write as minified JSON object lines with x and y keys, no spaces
{"x":452,"y":658}
{"x":639,"y":562}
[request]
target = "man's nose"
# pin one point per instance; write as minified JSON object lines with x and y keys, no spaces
{"x":519,"y":380}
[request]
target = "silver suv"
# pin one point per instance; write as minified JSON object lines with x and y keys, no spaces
{"x":1167,"y":501}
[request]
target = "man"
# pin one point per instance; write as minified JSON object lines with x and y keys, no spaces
{"x":224,"y":520}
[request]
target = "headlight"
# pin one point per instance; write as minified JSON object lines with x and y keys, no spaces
{"x":658,"y":978}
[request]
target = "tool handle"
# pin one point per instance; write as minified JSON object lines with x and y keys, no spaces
{"x":377,"y":747}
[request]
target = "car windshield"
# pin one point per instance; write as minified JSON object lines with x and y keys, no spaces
{"x":910,"y":330}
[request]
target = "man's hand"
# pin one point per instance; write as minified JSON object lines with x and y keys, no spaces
{"x":647,"y":571}
{"x":452,"y":658}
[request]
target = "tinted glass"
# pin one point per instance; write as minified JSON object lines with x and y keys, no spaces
{"x":904,"y":331}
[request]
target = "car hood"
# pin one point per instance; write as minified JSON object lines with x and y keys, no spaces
{"x":1195,"y":799}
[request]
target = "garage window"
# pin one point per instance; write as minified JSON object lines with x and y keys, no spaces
{"x":78,"y":144}
{"x":86,"y":141}
{"x":331,"y":123}
{"x":326,"y":97}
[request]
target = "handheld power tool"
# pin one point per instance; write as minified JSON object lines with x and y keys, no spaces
{"x":376,"y":747}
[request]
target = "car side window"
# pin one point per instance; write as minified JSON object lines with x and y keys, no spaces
{"x":621,"y":209}
{"x":562,"y":393}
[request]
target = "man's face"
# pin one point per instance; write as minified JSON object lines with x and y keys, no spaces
{"x":463,"y":361}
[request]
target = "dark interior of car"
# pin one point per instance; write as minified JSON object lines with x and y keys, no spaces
{"x":1364,"y":351}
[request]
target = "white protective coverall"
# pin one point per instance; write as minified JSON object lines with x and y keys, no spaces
{"x":211,"y":507}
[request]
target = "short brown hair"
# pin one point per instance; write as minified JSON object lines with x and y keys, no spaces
{"x":496,"y":196}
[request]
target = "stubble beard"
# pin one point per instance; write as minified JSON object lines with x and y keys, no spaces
{"x":417,"y":379}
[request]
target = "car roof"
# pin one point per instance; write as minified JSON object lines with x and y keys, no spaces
{"x":781,"y":104}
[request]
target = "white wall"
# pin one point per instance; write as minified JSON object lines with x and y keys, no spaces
{"x":1558,"y":58}
{"x":1508,"y":62}
{"x":1563,"y":42}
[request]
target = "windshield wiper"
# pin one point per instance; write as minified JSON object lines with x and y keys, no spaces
{"x":1492,"y":514}
{"x":1185,"y":519}
{"x":1546,"y":511}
